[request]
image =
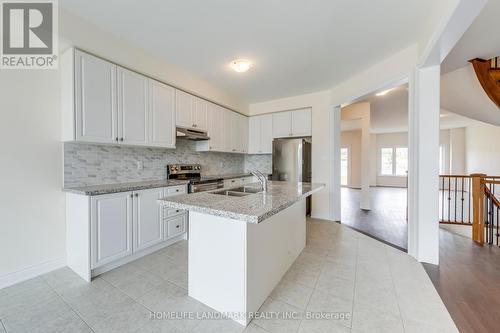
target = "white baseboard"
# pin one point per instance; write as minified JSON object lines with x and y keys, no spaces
{"x":10,"y":279}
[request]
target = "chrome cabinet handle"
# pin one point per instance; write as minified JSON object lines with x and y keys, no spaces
{"x":116,"y":139}
{"x":121,"y":139}
{"x":136,"y":195}
{"x":177,"y":226}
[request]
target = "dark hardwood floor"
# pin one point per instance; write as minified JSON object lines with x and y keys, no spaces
{"x":386,"y":221}
{"x":468,"y":281}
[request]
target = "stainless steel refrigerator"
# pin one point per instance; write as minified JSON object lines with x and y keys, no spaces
{"x":292,"y":162}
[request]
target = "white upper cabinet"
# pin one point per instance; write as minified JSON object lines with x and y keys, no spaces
{"x":282,"y":124}
{"x":301,"y":122}
{"x":200,"y":114}
{"x":254,"y":135}
{"x":95,"y":99}
{"x":227,"y":123}
{"x":148,"y":218}
{"x":260,"y":138}
{"x":132,"y":107}
{"x":266,"y":139}
{"x":216,"y":127}
{"x":184,"y":109}
{"x":292,"y":123}
{"x":243,"y":134}
{"x":191,"y":111}
{"x":104,"y":103}
{"x":161,"y":115}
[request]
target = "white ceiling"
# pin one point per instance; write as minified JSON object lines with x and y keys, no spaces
{"x":297,"y":46}
{"x":481,"y":40}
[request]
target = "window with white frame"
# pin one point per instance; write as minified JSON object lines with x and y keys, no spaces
{"x":393,"y":161}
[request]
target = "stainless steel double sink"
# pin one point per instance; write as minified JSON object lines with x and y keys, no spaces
{"x":238,"y":191}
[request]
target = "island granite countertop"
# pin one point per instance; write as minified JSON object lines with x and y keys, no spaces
{"x":253,"y":208}
{"x":123,"y":187}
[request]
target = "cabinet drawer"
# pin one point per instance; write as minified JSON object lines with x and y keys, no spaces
{"x":175,"y":190}
{"x":169,"y":212}
{"x":174,"y":226}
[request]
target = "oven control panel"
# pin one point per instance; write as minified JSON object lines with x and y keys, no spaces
{"x":173,"y":169}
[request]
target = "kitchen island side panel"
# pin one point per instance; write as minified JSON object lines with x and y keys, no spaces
{"x":217,"y":262}
{"x":272,"y":247}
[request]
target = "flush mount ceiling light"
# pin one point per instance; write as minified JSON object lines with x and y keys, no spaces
{"x":385,"y":92}
{"x":240,"y":65}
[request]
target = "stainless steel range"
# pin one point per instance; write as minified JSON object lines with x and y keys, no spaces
{"x":192,"y":172}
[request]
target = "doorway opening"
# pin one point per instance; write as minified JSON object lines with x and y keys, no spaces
{"x":374,"y":166}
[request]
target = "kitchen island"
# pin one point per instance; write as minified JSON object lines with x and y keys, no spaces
{"x":241,"y":243}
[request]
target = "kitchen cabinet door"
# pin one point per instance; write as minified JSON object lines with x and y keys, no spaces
{"x":235,"y":132}
{"x":184,"y":109}
{"x":301,"y":122}
{"x":162,"y":115}
{"x":282,"y":124}
{"x":147,"y":218}
{"x":111,"y":227}
{"x":132,"y":107}
{"x":254,"y":135}
{"x":215,"y":127}
{"x":227,"y":115}
{"x":266,"y":138}
{"x":200,"y":114}
{"x":95,"y":99}
{"x":243,"y":135}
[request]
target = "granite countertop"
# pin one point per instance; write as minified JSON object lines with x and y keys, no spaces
{"x":123,"y":187}
{"x":253,"y":208}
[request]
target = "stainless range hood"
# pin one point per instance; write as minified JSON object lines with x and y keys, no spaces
{"x":192,"y":134}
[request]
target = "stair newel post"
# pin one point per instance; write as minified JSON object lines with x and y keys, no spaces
{"x":478,"y":207}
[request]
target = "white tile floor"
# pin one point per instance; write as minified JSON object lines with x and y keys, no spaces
{"x":370,"y":286}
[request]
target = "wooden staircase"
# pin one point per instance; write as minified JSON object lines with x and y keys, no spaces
{"x":488,"y":74}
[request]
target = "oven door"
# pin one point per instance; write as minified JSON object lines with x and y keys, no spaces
{"x":203,"y":187}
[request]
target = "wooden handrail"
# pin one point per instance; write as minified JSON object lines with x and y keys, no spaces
{"x":490,"y":195}
{"x":493,"y":182}
{"x":456,"y":176}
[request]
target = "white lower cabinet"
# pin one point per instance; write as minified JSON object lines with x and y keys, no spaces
{"x":147,"y":218}
{"x":109,"y":230}
{"x":174,"y":226}
{"x":111,"y":227}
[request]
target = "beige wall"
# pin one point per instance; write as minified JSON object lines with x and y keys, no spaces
{"x":321,"y":146}
{"x":352,"y":140}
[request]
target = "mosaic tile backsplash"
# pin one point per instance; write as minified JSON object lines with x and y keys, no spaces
{"x":91,"y":164}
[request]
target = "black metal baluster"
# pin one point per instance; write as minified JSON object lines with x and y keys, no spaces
{"x":486,"y":222}
{"x":470,"y":197}
{"x":492,"y":221}
{"x":463,"y":179}
{"x":442,"y":200}
{"x":449,"y":198}
{"x":497,"y":234}
{"x":455,"y":198}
